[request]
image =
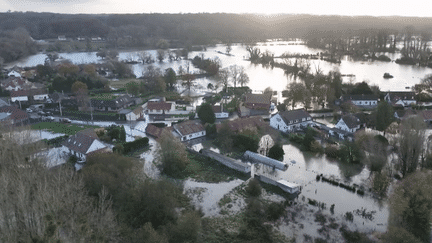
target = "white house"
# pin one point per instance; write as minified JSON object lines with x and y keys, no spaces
{"x":14,"y":73}
{"x":366,"y":101}
{"x":83,"y":144}
{"x":219,"y":113}
{"x":135,"y":114}
{"x":348,"y":123}
{"x":19,"y":95}
{"x":287,"y":121}
{"x":400,"y":98}
{"x":158,"y":108}
{"x":189,"y":130}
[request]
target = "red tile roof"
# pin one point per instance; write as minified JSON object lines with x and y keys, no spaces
{"x":16,"y":114}
{"x":258,"y":99}
{"x":154,"y":131}
{"x":240,"y":124}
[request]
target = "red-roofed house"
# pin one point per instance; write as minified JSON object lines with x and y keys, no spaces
{"x":17,"y":116}
{"x":255,"y":104}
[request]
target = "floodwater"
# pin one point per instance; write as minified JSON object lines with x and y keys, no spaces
{"x":303,"y":168}
{"x":262,"y":77}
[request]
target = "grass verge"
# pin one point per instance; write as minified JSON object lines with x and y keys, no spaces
{"x":55,"y":127}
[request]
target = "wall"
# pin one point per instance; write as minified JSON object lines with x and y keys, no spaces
{"x":227,"y":161}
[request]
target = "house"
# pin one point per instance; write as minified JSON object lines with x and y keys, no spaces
{"x":403,"y":114}
{"x":84,"y":143}
{"x":288,"y":186}
{"x":29,"y":95}
{"x":136,"y":114}
{"x":16,"y":116}
{"x":18,"y":83}
{"x":426,"y":115}
{"x":365,"y":101}
{"x":115,"y":104}
{"x":5,"y":118}
{"x":287,"y":121}
{"x":189,"y":130}
{"x":62,"y":38}
{"x":3,"y":103}
{"x":348,"y":123}
{"x":154,"y":131}
{"x":14,"y":73}
{"x":157,"y":108}
{"x":219,"y":113}
{"x":400,"y":98}
{"x":255,"y":104}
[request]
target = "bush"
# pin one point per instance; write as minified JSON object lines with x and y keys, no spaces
{"x":275,"y":211}
{"x":276,"y":152}
{"x":349,"y":216}
{"x":253,"y":188}
{"x":137,"y":144}
{"x":211,"y":131}
{"x":243,"y":143}
{"x":331,"y":151}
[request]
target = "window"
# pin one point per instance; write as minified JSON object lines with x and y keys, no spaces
{"x":190,"y":136}
{"x":303,"y":119}
{"x":296,"y":120}
{"x":308,"y":118}
{"x":278,"y":119}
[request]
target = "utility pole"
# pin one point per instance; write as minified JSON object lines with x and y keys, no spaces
{"x":91,"y":111}
{"x":61,"y":114}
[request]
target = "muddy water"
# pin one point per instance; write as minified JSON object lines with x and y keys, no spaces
{"x":304,"y":172}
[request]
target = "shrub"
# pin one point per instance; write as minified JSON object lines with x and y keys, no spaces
{"x":139,"y":143}
{"x":349,"y":216}
{"x":253,"y":188}
{"x":331,"y":151}
{"x":275,"y":211}
{"x":276,"y":152}
{"x":243,"y":143}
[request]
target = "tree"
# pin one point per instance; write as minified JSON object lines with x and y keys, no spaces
{"x":122,"y":136}
{"x":384,"y":116}
{"x":132,"y":88}
{"x":228,"y":48}
{"x":276,"y":152}
{"x":188,"y":81}
{"x":297,"y":93}
{"x":206,"y":114}
{"x":361,"y":88}
{"x":80,"y":90}
{"x":170,"y":78}
{"x":410,"y":144}
{"x":224,"y":77}
{"x":161,"y":55}
{"x":237,"y":74}
{"x":411,"y":205}
{"x":172,"y":154}
{"x":102,"y":54}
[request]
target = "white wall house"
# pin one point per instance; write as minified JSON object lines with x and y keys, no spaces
{"x":367,"y":101}
{"x":401,"y":98}
{"x":219,"y":112}
{"x":40,"y":97}
{"x":189,"y":130}
{"x":83,"y":143}
{"x":14,"y":73}
{"x":158,"y":108}
{"x":348,"y":123}
{"x":287,"y":121}
{"x":135,"y":114}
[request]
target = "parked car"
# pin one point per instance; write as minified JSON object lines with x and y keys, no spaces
{"x":29,"y":110}
{"x":41,"y":113}
{"x":50,"y":118}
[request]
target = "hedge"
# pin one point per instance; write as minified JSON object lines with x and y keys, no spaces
{"x":131,"y":146}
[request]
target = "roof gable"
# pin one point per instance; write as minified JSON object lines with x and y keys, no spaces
{"x":351,"y":121}
{"x":189,"y":127}
{"x":293,"y":115}
{"x":258,"y":99}
{"x":159,"y":106}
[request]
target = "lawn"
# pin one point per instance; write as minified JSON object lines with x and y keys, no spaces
{"x":121,"y":84}
{"x":55,"y":127}
{"x":104,"y":96}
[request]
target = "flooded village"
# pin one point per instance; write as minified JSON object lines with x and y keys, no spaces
{"x":276,"y":140}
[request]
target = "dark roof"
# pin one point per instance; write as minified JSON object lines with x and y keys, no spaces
{"x":159,"y":106}
{"x":359,"y":97}
{"x":120,"y":101}
{"x":293,"y":115}
{"x":239,"y":124}
{"x":16,"y":113}
{"x":258,"y":99}
{"x":351,"y":121}
{"x":3,"y":103}
{"x":189,"y":127}
{"x":395,"y":96}
{"x":19,"y":93}
{"x":81,"y":141}
{"x":154,"y":130}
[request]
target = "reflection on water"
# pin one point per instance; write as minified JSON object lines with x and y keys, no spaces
{"x":303,"y":168}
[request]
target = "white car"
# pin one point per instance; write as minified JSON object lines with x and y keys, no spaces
{"x":29,"y":110}
{"x":50,"y":118}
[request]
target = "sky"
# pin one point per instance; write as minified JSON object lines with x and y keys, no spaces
{"x":418,"y":8}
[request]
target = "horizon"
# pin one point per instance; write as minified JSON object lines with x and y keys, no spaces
{"x":368,"y":8}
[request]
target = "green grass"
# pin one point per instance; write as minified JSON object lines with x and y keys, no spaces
{"x":120,"y":84}
{"x":203,"y":169}
{"x":69,"y":129}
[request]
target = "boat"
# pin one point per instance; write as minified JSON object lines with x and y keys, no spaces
{"x":388,"y":75}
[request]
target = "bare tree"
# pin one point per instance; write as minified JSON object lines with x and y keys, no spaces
{"x":236,"y":72}
{"x":410,"y":144}
{"x":224,"y":77}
